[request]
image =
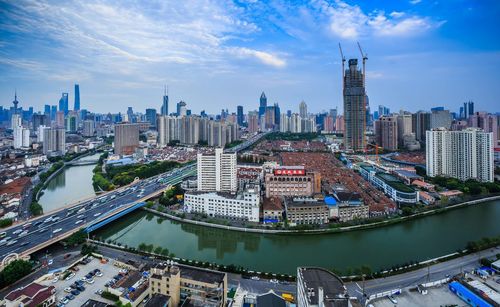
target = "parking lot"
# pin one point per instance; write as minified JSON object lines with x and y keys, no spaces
{"x":437,"y":296}
{"x":107,"y":270}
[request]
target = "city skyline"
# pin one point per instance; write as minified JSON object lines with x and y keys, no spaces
{"x":227,"y":54}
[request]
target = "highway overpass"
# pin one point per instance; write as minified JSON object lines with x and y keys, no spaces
{"x":41,"y":232}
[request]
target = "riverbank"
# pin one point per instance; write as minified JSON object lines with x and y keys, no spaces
{"x":340,"y":229}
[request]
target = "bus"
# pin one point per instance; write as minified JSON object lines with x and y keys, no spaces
{"x":3,"y":234}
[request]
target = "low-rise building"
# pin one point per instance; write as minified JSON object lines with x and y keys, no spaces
{"x":306,"y":211}
{"x":201,"y":287}
{"x":292,"y":181}
{"x":244,"y":205}
{"x":424,"y":185}
{"x":32,"y":295}
{"x":320,"y":287}
{"x":272,"y":210}
{"x":132,"y":288}
{"x":426,"y":198}
{"x":249,"y":174}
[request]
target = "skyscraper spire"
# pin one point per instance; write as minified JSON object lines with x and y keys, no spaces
{"x":15,"y":102}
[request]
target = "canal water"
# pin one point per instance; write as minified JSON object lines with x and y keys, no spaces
{"x":70,"y":185}
{"x":380,"y":248}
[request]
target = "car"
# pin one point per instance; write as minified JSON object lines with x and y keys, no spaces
{"x":50,"y":262}
{"x":56,"y":279}
{"x":88,"y":276}
{"x":83,"y":279}
{"x":25,"y":243}
{"x":67,"y":256}
{"x":63,"y":300}
{"x":274,"y":281}
{"x":90,"y":281}
{"x":97,"y":214}
{"x":392,"y":299}
{"x":43,"y":230}
{"x":11,"y":242}
{"x":78,"y":222}
{"x":37,"y":223}
{"x":68,"y":289}
{"x":57,"y":230}
{"x":70,"y":297}
{"x":498,"y":281}
{"x":71,"y":275}
{"x":81,"y":216}
{"x":80,"y":288}
{"x":22,"y":234}
{"x":99,"y":291}
{"x":255,"y":278}
{"x":15,"y":232}
{"x":75,"y":292}
{"x":98,"y":274}
{"x":60,"y":304}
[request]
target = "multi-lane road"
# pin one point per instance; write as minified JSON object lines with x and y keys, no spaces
{"x":29,"y":236}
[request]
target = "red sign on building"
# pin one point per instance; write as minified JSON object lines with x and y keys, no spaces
{"x":289,"y":172}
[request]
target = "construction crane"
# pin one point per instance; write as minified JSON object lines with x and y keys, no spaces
{"x":343,"y":64}
{"x":376,"y":151}
{"x":364,"y":57}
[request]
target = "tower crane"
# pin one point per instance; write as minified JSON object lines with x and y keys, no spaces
{"x":343,"y":64}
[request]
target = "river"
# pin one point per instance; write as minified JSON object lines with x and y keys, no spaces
{"x":415,"y":240}
{"x":73,"y":183}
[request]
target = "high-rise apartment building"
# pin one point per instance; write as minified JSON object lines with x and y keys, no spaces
{"x":40,"y":119}
{"x":421,"y":122}
{"x":466,"y":154}
{"x":240,"y":116}
{"x":181,"y":108}
{"x":405,"y":126}
{"x":77,"y":97}
{"x":253,"y":122}
{"x":126,"y":138}
{"x":262,"y":104}
{"x":354,"y":92}
{"x":21,"y":137}
{"x":386,"y":132}
{"x":217,"y":172}
{"x":88,"y":128}
{"x":54,"y":141}
{"x":485,"y":121}
{"x":440,"y":118}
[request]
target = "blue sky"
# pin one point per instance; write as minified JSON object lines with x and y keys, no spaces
{"x":218,"y":54}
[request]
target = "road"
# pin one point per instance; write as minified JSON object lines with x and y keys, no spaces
{"x":21,"y":238}
{"x":249,"y":142}
{"x":432,"y":273}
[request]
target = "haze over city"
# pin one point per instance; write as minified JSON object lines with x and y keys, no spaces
{"x":225,"y":53}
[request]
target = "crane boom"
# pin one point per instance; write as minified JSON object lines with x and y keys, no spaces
{"x":343,"y":63}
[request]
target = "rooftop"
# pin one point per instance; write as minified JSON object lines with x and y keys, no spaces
{"x":408,"y":174}
{"x":157,"y":300}
{"x":394,"y":182}
{"x":207,"y":276}
{"x":272,"y":203}
{"x":93,"y":303}
{"x":334,"y":291}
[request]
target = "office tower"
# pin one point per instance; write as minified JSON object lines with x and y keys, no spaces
{"x":63,"y":103}
{"x":46,"y":110}
{"x":217,"y":172}
{"x":386,"y":132}
{"x":239,"y":112}
{"x":151,"y":117}
{"x":383,"y":111}
{"x":270,"y":118}
{"x":130,"y":115}
{"x":354,"y":92}
{"x":405,"y":125}
{"x":53,"y":112}
{"x":77,"y":97}
{"x":39,"y":119}
{"x":126,"y":138}
{"x":303,"y":109}
{"x":181,"y":108}
{"x":88,"y":128}
{"x":466,"y":154}
{"x":440,"y":118}
{"x":54,"y":141}
{"x":164,"y":106}
{"x":253,"y":122}
{"x":485,"y":121}
{"x":60,"y":119}
{"x":333,"y":113}
{"x":277,"y":113}
{"x":71,"y":122}
{"x":468,"y":109}
{"x":421,"y":122}
{"x":262,"y":105}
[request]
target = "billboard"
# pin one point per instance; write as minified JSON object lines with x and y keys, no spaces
{"x":289,"y":172}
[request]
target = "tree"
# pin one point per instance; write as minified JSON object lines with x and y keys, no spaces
{"x":142,"y":246}
{"x":158,"y":250}
{"x":14,"y":271}
{"x":5,"y":223}
{"x":36,"y":209}
{"x":88,"y":249}
{"x":78,"y":237}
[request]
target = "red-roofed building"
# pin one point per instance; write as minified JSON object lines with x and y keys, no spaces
{"x":32,"y":295}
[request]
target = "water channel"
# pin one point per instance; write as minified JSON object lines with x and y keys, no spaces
{"x":416,"y":240}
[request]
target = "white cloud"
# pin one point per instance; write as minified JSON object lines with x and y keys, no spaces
{"x":264,"y":57}
{"x":415,"y":1}
{"x":396,"y":14}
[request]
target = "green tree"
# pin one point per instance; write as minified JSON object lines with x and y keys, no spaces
{"x":158,"y":250}
{"x":14,"y":271}
{"x":77,"y":238}
{"x":5,"y":223}
{"x":36,"y":209}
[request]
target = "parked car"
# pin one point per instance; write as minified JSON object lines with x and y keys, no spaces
{"x":75,"y":292}
{"x":70,"y":297}
{"x":80,"y":288}
{"x":68,"y":290}
{"x":71,"y":275}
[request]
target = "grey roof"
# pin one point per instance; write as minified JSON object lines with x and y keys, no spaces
{"x":270,"y":299}
{"x":94,"y":303}
{"x":158,"y":300}
{"x":208,"y":276}
{"x":334,"y":292}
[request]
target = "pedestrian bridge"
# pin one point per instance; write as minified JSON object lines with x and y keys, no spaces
{"x":82,"y":162}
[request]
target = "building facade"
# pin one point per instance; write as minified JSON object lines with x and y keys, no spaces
{"x":466,"y":154}
{"x":292,"y":181}
{"x":126,"y":138}
{"x":217,"y":172}
{"x":354,"y":107}
{"x":386,"y":132}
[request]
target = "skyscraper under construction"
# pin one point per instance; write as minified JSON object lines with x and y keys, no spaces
{"x":354,"y":106}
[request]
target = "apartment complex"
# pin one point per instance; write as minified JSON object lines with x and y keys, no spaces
{"x":195,"y":129}
{"x":244,"y":205}
{"x":54,"y":141}
{"x":386,"y":132}
{"x":202,"y":287}
{"x":217,"y":172}
{"x":466,"y":154}
{"x":126,"y":138}
{"x":292,"y":181}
